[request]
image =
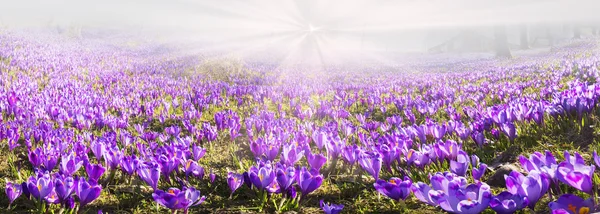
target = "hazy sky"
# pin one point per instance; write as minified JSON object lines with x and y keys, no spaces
{"x":286,"y":24}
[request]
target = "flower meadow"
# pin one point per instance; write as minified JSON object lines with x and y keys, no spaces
{"x":90,"y":126}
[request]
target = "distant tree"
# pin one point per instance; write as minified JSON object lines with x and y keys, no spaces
{"x":524,"y":32}
{"x":502,"y":49}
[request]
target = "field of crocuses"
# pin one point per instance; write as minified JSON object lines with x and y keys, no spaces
{"x":90,"y":126}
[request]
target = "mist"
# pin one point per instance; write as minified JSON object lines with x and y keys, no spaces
{"x":304,"y":31}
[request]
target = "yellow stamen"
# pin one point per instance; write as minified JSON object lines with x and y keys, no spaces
{"x":187,"y":166}
{"x":171,"y":191}
{"x":39,"y":187}
{"x":393,"y":182}
{"x":584,"y":210}
{"x":260,"y":177}
{"x":409,"y":154}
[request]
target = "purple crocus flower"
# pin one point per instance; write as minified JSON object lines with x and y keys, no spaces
{"x":439,"y":187}
{"x":507,"y":203}
{"x":113,"y":158}
{"x":461,"y":164}
{"x":395,"y":189}
{"x":596,"y":159}
{"x":167,"y":165}
{"x":544,"y":163}
{"x":129,"y":164}
{"x":371,"y":162}
{"x":70,"y":164}
{"x":50,"y":161}
{"x":478,"y":172}
{"x":389,"y":155}
{"x":94,"y":171}
{"x":316,"y":161}
{"x":235,"y":181}
{"x":192,"y":168}
{"x":472,"y":199}
{"x":572,"y":204}
{"x":532,"y":186}
{"x":212,"y":176}
{"x":64,"y":187}
{"x":13,"y":191}
{"x":579,"y":175}
{"x":319,"y":138}
{"x":150,"y":173}
{"x":422,"y":192}
{"x":87,"y":192}
{"x":98,"y":148}
{"x":331,"y":208}
{"x":285,"y":177}
{"x":291,"y":154}
{"x":350,"y":154}
{"x":309,"y":180}
{"x":478,"y":169}
{"x":261,"y":177}
{"x":198,"y":152}
{"x":40,"y":187}
{"x":173,"y":199}
{"x":193,"y":197}
{"x":510,"y":130}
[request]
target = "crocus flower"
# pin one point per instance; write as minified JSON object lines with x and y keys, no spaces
{"x":52,"y":198}
{"x":98,"y":148}
{"x":50,"y":161}
{"x":94,"y":171}
{"x":235,"y":181}
{"x":113,"y":157}
{"x":350,"y":154}
{"x":129,"y":164}
{"x":291,"y":154}
{"x":309,"y":180}
{"x":510,"y":130}
{"x":395,"y":189}
{"x":507,"y":203}
{"x":596,"y":159}
{"x":472,"y":199}
{"x":87,"y":192}
{"x":167,"y":165}
{"x":261,"y":178}
{"x":70,"y":164}
{"x":316,"y":161}
{"x":285,"y":177}
{"x":422,"y":192}
{"x":544,"y":163}
{"x":64,"y":187}
{"x":389,"y":155}
{"x":198,"y":152}
{"x":173,"y":199}
{"x":371,"y":162}
{"x":579,"y":176}
{"x":13,"y":191}
{"x":533,"y":186}
{"x":439,"y":187}
{"x":40,"y":187}
{"x":193,"y":197}
{"x":212,"y":176}
{"x":331,"y":208}
{"x":478,"y":172}
{"x":461,"y":164}
{"x":150,"y":173}
{"x":571,"y":204}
